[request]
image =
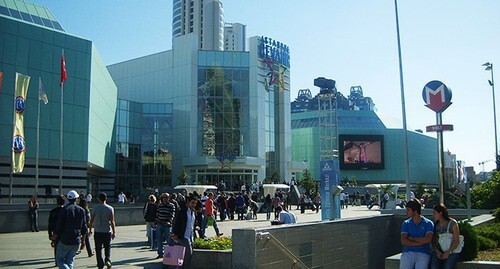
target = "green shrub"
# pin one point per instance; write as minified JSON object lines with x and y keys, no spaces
{"x":490,"y":231}
{"x":471,"y":248}
{"x":218,"y":243}
{"x":485,"y":243}
{"x":496,"y":214}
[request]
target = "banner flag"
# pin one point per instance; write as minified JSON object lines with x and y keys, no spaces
{"x":64,"y":75}
{"x":42,"y":96}
{"x":18,"y":141}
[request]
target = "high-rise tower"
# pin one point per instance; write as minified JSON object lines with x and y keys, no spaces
{"x":202,"y":17}
{"x":235,"y":37}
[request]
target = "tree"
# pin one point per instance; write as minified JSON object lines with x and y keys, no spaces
{"x":183,"y":176}
{"x":420,"y":189}
{"x":487,"y":194}
{"x":307,"y":182}
{"x":275,"y":178}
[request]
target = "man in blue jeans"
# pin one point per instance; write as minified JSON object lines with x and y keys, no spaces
{"x":165,"y":214}
{"x":416,"y":237}
{"x":70,"y":227}
{"x":103,"y":222}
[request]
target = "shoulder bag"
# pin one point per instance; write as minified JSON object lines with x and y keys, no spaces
{"x":446,"y":239}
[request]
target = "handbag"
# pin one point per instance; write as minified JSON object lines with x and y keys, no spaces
{"x":445,"y":240}
{"x":173,"y":255}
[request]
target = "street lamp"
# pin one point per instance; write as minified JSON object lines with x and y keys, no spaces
{"x":489,"y":67}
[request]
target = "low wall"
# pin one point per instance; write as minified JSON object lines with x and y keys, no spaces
{"x":392,"y":262}
{"x":124,"y":215}
{"x":211,"y":259}
{"x":351,"y":243}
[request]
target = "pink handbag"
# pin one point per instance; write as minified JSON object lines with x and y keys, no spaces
{"x":173,"y":255}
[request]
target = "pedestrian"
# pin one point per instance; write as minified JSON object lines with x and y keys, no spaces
{"x":88,"y":198}
{"x":416,"y":237}
{"x":149,"y":213}
{"x":231,"y":205}
{"x":83,"y":204}
{"x":317,"y":202}
{"x":221,"y":202}
{"x":268,"y":201}
{"x":165,"y":214}
{"x":240,"y":206}
{"x":71,"y":226}
{"x":285,"y":217}
{"x":184,"y":228}
{"x":254,"y":207}
{"x":53,"y":216}
{"x":103,"y":223}
{"x":209,"y":215}
{"x":122,"y":198}
{"x":302,"y":203}
{"x":385,"y":199}
{"x":33,"y":213}
{"x":444,"y":257}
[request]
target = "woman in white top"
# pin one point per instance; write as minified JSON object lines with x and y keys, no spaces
{"x":444,"y":258}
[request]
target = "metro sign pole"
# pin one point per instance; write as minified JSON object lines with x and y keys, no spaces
{"x":437,"y":97}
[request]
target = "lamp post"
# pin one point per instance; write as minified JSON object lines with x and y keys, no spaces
{"x":403,"y":107}
{"x":489,"y":67}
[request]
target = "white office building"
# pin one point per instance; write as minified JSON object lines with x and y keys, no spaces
{"x":235,"y":36}
{"x":205,"y":18}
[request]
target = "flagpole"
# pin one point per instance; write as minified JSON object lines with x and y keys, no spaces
{"x":37,"y":137}
{"x":12,"y":151}
{"x":61,"y":135}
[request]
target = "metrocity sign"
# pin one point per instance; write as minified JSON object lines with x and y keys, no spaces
{"x":436,"y":96}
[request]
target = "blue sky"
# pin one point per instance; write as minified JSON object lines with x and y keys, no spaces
{"x":350,"y":41}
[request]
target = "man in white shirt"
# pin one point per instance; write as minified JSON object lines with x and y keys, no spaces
{"x":88,"y":197}
{"x":122,"y":198}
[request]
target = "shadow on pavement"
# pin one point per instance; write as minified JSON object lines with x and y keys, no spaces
{"x":32,"y":263}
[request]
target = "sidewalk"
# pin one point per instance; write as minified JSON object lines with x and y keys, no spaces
{"x":128,"y":250}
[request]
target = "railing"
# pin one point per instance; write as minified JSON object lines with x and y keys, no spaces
{"x":270,"y":238}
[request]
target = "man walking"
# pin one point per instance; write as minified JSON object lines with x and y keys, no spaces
{"x":53,"y":217}
{"x":184,"y":227}
{"x":165,"y":214}
{"x":70,"y":228}
{"x":209,"y":213}
{"x":103,"y":222}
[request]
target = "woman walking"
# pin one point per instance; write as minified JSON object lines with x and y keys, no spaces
{"x":33,"y":212}
{"x":444,"y":255}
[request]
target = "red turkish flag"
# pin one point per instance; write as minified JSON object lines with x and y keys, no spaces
{"x":63,"y":69}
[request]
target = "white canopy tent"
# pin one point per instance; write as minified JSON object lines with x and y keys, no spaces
{"x":272,"y":188}
{"x":200,"y":189}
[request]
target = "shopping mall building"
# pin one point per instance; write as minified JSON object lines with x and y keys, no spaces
{"x":213,"y":108}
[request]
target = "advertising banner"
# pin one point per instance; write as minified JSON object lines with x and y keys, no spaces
{"x":330,"y":208}
{"x":18,"y":141}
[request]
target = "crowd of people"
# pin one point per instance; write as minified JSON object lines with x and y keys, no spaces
{"x":180,"y":218}
{"x":72,"y":223}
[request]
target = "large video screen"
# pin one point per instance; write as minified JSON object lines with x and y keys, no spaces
{"x":358,"y":152}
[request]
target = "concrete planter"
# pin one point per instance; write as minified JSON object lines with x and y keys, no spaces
{"x":217,"y":259}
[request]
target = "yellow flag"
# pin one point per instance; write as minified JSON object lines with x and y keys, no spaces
{"x":18,"y":141}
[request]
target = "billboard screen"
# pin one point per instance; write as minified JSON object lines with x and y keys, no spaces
{"x":358,"y":152}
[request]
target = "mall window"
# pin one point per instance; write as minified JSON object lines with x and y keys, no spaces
{"x":220,"y":108}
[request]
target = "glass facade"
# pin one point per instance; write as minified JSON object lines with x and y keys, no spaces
{"x":32,"y":44}
{"x":143,"y":148}
{"x":223,"y":103}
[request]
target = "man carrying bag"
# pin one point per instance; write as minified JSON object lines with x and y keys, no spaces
{"x":182,"y":234}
